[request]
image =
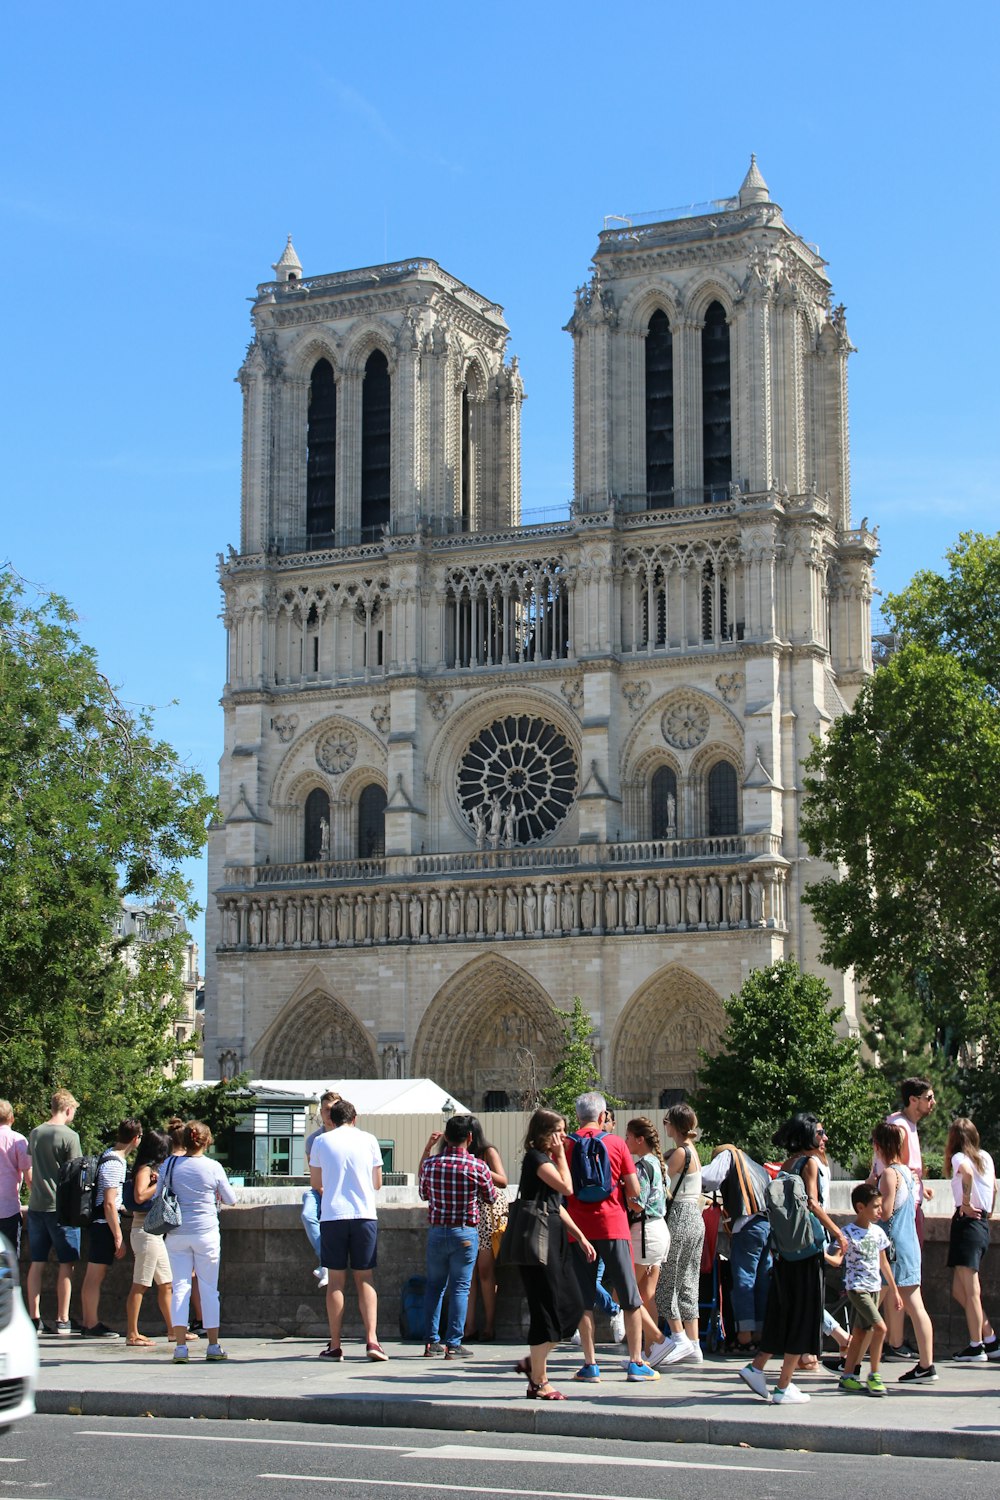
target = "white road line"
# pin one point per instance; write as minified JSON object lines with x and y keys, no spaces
{"x":461,"y":1489}
{"x":455,"y":1451}
{"x":452,"y":1451}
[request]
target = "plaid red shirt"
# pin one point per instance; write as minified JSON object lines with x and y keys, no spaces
{"x":453,"y":1183}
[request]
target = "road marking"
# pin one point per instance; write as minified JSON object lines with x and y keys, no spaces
{"x":461,"y":1489}
{"x":451,"y":1451}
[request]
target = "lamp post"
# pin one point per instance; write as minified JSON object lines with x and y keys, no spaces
{"x":448,"y":1108}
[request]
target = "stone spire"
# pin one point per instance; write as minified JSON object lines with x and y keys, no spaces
{"x":288,"y":267}
{"x":753,"y":189}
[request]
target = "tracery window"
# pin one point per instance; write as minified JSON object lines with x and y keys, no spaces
{"x":507,"y":613}
{"x":659,"y":413}
{"x":714,"y":604}
{"x":716,"y":399}
{"x":517,"y":780}
{"x":723,"y":800}
{"x":376,"y":393}
{"x":371,"y":822}
{"x":317,"y":812}
{"x":321,"y":456}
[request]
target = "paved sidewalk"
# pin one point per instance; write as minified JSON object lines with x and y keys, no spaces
{"x":284,"y":1380}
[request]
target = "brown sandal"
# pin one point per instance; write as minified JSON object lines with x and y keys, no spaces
{"x":543,"y":1392}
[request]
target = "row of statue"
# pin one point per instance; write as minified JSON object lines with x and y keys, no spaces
{"x":521,"y":910}
{"x":499,"y":830}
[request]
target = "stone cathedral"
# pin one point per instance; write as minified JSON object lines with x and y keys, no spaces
{"x":473,"y":767}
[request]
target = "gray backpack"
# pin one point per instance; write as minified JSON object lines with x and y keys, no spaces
{"x":796,"y":1233}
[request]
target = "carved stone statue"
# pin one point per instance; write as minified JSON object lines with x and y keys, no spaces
{"x":454,"y":914}
{"x":232,"y":926}
{"x":610,"y":907}
{"x":670,"y":831}
{"x":360,"y":919}
{"x":392,"y":1063}
{"x":291,"y":922}
{"x":273,"y":924}
{"x":472,"y":913}
{"x":395,"y":916}
{"x":479,"y":824}
{"x":325,"y":920}
{"x":631,"y":907}
{"x":324,"y":839}
{"x":756,"y":903}
{"x":308,"y":921}
{"x":587,"y":908}
{"x":416,"y":917}
{"x":434,"y":915}
{"x":492,"y":911}
{"x":713,"y":903}
{"x":496,"y":823}
{"x":378,"y":920}
{"x":651,"y":905}
{"x":735,"y":903}
{"x":343,"y":920}
{"x":509,"y":827}
{"x":566,"y":908}
{"x":549,"y":909}
{"x":256,"y":926}
{"x":692,"y":904}
{"x":529,"y":906}
{"x":672,"y":901}
{"x":510,"y":911}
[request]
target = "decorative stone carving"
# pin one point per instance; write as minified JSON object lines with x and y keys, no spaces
{"x":381,"y":717}
{"x":728,"y":684}
{"x":685,"y":724}
{"x":284,"y":726}
{"x":439,"y":704}
{"x":336,"y":751}
{"x":635,"y":694}
{"x":572,"y":691}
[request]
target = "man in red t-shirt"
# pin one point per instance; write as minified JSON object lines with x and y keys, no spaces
{"x":605,"y":1223}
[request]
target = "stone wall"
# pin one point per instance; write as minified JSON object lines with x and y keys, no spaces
{"x":268,"y":1289}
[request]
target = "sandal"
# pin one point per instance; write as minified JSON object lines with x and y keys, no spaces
{"x":140,"y":1342}
{"x":543,"y":1392}
{"x":523,"y":1367}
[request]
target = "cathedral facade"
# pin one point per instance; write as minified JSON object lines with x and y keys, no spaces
{"x":473,"y":768}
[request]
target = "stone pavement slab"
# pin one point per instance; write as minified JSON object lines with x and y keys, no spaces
{"x":284,"y":1380}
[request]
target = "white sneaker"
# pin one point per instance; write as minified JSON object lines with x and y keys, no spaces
{"x":660,"y":1350}
{"x":696,"y":1357}
{"x":321,"y":1275}
{"x":683,"y":1349}
{"x":618,"y":1327}
{"x":756,"y":1380}
{"x":790,"y":1396}
{"x":576,"y":1338}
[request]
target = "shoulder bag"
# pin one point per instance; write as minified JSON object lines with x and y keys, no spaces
{"x":164,"y":1212}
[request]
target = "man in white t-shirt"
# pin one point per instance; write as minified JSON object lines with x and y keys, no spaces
{"x":918,"y":1099}
{"x":345,"y":1167}
{"x":311,"y":1198}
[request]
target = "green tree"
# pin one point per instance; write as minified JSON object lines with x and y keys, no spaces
{"x":904,"y":798}
{"x":576,"y":1071}
{"x":93,"y":807}
{"x":780,"y":1053}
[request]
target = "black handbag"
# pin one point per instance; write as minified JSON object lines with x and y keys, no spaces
{"x":526,"y":1239}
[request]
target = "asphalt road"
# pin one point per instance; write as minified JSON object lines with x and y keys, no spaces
{"x":78,"y":1458}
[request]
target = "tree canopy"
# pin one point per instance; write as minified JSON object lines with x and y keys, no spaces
{"x":781,"y":1053}
{"x":904,"y":797}
{"x":576,"y":1070}
{"x":93,"y":808}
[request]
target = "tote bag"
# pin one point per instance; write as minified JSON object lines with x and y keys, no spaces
{"x":164,"y":1212}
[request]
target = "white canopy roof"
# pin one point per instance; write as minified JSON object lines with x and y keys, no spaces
{"x":370,"y":1096}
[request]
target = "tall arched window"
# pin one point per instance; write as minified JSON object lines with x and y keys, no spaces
{"x":710,"y":604}
{"x":716,"y":402}
{"x":659,"y":413}
{"x":371,"y":823}
{"x":317,"y":812}
{"x":466,"y":463}
{"x":663,"y":804}
{"x":723,"y":800}
{"x":321,"y":455}
{"x":375,"y":440}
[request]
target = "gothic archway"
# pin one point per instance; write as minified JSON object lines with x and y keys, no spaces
{"x":660,"y":1033}
{"x":316,"y":1037}
{"x":489,"y":1030}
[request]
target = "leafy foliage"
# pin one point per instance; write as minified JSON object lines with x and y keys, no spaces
{"x":780,"y":1053}
{"x":92,"y":807}
{"x":904,"y":796}
{"x":576,"y":1071}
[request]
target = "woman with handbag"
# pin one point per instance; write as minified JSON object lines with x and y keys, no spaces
{"x":555,"y":1304}
{"x":152,"y":1264}
{"x":200,"y":1185}
{"x":899,"y":1212}
{"x":492,"y":1218}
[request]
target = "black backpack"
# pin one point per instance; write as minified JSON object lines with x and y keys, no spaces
{"x":76,"y":1190}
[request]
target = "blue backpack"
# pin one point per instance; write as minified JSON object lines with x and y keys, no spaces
{"x":411,"y":1310}
{"x":590,"y":1168}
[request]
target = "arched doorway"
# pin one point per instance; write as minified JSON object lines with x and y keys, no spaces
{"x":662,"y":1030}
{"x":316,"y":1037}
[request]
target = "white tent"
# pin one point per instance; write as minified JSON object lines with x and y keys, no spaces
{"x":370,"y":1096}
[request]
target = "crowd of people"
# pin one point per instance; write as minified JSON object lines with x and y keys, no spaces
{"x":605,"y":1223}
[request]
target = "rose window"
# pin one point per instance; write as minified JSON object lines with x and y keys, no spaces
{"x":336,"y":751}
{"x":517,"y":779}
{"x":686,"y":724}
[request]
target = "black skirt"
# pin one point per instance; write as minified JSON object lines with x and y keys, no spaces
{"x":555,"y":1303}
{"x":793,"y":1320}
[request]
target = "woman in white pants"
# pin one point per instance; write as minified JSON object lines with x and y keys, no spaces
{"x":193,"y":1247}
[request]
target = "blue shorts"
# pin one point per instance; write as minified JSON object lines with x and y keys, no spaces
{"x":45,"y":1233}
{"x":349,"y":1242}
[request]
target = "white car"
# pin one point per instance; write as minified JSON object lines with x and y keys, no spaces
{"x":18,"y":1344}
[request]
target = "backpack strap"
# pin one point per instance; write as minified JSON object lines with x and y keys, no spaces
{"x":673,"y":1195}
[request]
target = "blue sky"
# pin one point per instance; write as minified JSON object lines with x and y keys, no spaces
{"x":155,"y":159}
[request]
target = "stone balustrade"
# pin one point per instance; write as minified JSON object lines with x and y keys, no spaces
{"x":501,"y":907}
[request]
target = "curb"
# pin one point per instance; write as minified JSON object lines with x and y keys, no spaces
{"x":455,"y":1416}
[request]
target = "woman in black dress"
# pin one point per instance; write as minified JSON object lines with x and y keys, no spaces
{"x":552,"y":1290}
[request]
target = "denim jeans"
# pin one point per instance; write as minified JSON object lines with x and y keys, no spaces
{"x":311,"y":1201}
{"x":603,"y":1300}
{"x":750,"y":1264}
{"x":451,"y":1257}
